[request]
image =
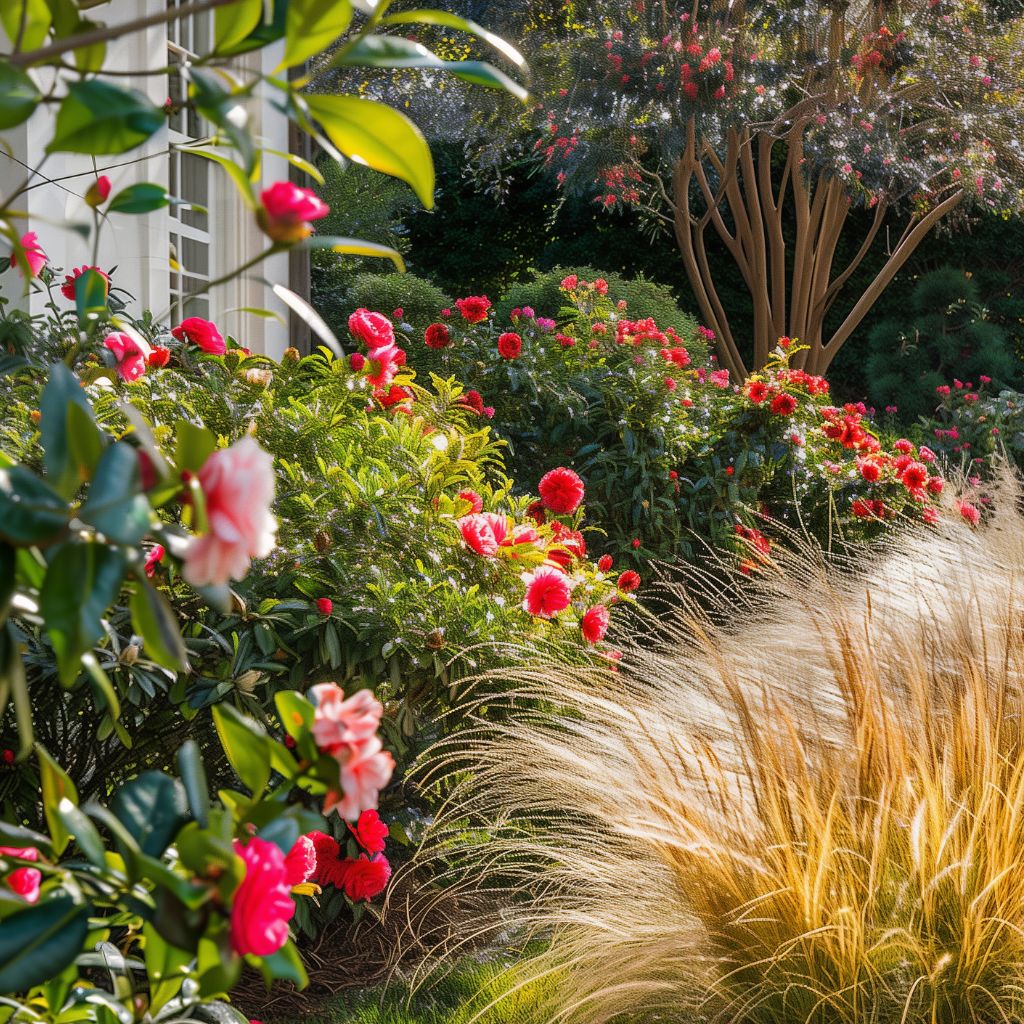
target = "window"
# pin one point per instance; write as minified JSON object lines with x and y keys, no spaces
{"x":189,"y":176}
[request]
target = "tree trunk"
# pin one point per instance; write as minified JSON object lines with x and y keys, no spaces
{"x":736,"y":193}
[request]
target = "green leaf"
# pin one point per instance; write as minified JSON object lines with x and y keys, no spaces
{"x":193,"y":777}
{"x":312,"y":319}
{"x":56,"y":787}
{"x":81,"y":583}
{"x":145,"y":197}
{"x":373,"y":134}
{"x":194,"y":445}
{"x":165,"y":965}
{"x":97,"y":117}
{"x":245,"y":745}
{"x":83,"y":831}
{"x":14,"y":682}
{"x":449,"y":20}
{"x":152,"y":807}
{"x":34,"y":15}
{"x":154,"y":620}
{"x":286,"y":964}
{"x":18,"y":96}
{"x":116,"y":507}
{"x":30,"y":512}
{"x":233,"y":22}
{"x":237,"y":175}
{"x":91,"y":297}
{"x":353,"y":247}
{"x":85,"y":442}
{"x":39,"y":942}
{"x":479,"y":72}
{"x":7,"y":581}
{"x":311,"y":26}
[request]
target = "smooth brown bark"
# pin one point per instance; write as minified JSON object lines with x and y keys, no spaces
{"x":791,"y":292}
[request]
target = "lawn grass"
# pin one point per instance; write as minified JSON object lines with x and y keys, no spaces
{"x":455,"y":996}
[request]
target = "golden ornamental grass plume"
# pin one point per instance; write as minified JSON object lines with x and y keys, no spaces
{"x":807,"y":806}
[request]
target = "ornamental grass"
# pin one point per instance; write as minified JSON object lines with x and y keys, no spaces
{"x":806,"y":805}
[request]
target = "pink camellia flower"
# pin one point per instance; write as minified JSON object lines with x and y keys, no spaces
{"x":262,"y":905}
{"x":474,"y":499}
{"x":570,"y":282}
{"x":339,"y":721}
{"x":98,"y":191}
{"x":484,"y":532}
{"x":594,"y":623}
{"x":131,"y":355}
{"x":300,"y":862}
{"x":34,"y":255}
{"x":67,"y":289}
{"x":363,"y":878}
{"x":238,"y":485}
{"x":373,"y":329}
{"x":366,"y":768}
{"x":153,"y":559}
{"x":201,"y":332}
{"x":23,"y":881}
{"x":547,"y":591}
{"x":969,"y":512}
{"x":287,"y":210}
{"x":561,"y":490}
{"x":370,"y":832}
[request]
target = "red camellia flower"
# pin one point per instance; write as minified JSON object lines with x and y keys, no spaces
{"x":535,"y":510}
{"x":903,"y":446}
{"x":510,"y":345}
{"x":969,"y":512}
{"x":363,"y":878}
{"x":570,"y":282}
{"x":153,"y":559}
{"x":547,"y":591}
{"x":370,"y":831}
{"x":324,"y":605}
{"x":287,"y":210}
{"x":131,"y":355}
{"x":914,"y":476}
{"x":201,"y":332}
{"x":783,"y":404}
{"x":870,"y":470}
{"x":356,"y":362}
{"x":158,"y":357}
{"x":238,"y":485}
{"x":474,"y":499}
{"x":474,"y":308}
{"x":23,"y":881}
{"x":629,"y":581}
{"x":604,"y":563}
{"x":98,"y":191}
{"x":757,"y":391}
{"x":373,"y":329}
{"x":437,"y":336}
{"x":300,"y":861}
{"x":67,"y":289}
{"x":262,"y":905}
{"x":34,"y":257}
{"x":484,"y":532}
{"x":328,"y":854}
{"x":561,"y":490}
{"x":594,"y":623}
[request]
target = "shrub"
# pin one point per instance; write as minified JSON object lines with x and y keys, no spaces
{"x":803,"y":809}
{"x":942,"y":330}
{"x":674,"y":453}
{"x":643,"y":298}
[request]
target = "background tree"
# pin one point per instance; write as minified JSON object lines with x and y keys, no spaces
{"x":763,"y":125}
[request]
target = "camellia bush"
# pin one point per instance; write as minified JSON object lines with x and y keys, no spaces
{"x":166,"y":811}
{"x":675,"y":453}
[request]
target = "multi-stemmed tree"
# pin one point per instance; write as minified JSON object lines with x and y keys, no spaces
{"x":763,"y":124}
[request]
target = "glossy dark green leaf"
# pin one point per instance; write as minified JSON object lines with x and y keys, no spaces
{"x":311,"y":26}
{"x":154,"y":620}
{"x":153,"y":808}
{"x":233,"y":22}
{"x":26,"y":21}
{"x":285,"y":964}
{"x":40,"y":941}
{"x":81,"y":583}
{"x":83,"y":831}
{"x":56,"y":787}
{"x":63,"y":390}
{"x":115,"y":505}
{"x":8,"y":560}
{"x":245,"y":745}
{"x":91,"y":291}
{"x":144,"y":197}
{"x":31,"y":512}
{"x":193,"y":447}
{"x":97,"y":117}
{"x":193,"y":778}
{"x":18,"y":96}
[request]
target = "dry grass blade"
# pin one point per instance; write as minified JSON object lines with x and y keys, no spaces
{"x":813,"y":812}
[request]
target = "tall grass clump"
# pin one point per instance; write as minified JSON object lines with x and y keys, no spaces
{"x":806,"y":805}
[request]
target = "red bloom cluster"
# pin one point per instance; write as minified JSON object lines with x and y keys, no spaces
{"x":384,"y":356}
{"x":474,"y":308}
{"x":362,"y":877}
{"x":756,"y":544}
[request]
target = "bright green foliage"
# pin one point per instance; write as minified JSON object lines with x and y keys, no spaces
{"x":643,"y":299}
{"x":942,"y":332}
